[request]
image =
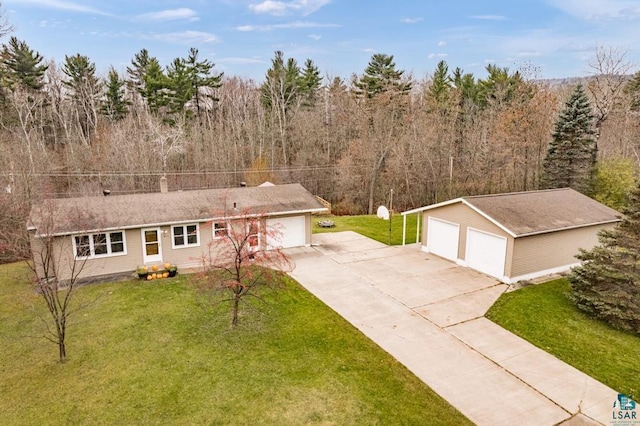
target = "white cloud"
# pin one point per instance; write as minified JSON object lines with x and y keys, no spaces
{"x":61,"y":5}
{"x":369,"y":50}
{"x":488,"y":17}
{"x":171,"y":15}
{"x":599,"y":9}
{"x":411,"y":20}
{"x":270,"y":7}
{"x":281,"y":8}
{"x":315,"y":37}
{"x":286,"y":26}
{"x":442,"y":43}
{"x":184,"y":37}
{"x":437,"y":55}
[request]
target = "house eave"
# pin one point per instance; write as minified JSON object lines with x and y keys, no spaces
{"x":432,"y":206}
{"x":566,"y":228}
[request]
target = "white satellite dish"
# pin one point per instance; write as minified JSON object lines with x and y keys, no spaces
{"x":383,"y":213}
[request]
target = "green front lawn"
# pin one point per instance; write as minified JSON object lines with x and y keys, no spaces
{"x":545,"y":316}
{"x":371,"y":226}
{"x":149,"y":353}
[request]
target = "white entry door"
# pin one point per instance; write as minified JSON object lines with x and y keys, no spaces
{"x":151,"y":245}
{"x":486,"y":252}
{"x":442,"y":238}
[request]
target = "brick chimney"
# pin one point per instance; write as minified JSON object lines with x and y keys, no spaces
{"x":163,"y":184}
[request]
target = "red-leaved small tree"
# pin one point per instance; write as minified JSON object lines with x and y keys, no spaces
{"x":243,"y":257}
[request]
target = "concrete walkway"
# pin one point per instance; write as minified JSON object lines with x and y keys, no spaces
{"x":429,"y":314}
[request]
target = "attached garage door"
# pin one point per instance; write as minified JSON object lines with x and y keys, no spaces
{"x":442,"y":238}
{"x":486,"y":252}
{"x":290,"y":230}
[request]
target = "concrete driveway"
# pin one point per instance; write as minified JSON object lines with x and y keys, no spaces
{"x":429,"y":314}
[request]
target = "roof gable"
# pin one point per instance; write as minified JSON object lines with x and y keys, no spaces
{"x":84,"y":214}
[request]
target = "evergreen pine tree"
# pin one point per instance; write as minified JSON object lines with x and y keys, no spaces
{"x":203,"y":80}
{"x":381,"y":76}
{"x":138,"y":70}
{"x":22,"y":66}
{"x":441,"y":85}
{"x":84,"y":89}
{"x":607,"y":284}
{"x":499,"y":86}
{"x":280,"y":89}
{"x":179,"y":83}
{"x":467,"y":88}
{"x":155,"y":86}
{"x":309,"y":83}
{"x":114,"y":106}
{"x":571,"y":158}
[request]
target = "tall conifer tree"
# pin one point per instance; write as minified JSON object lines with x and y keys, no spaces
{"x":607,"y":284}
{"x":22,"y":66}
{"x":381,"y":76}
{"x":309,"y":83}
{"x":114,"y":105}
{"x":571,"y":158}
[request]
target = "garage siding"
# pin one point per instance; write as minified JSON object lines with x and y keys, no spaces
{"x":552,"y":250}
{"x":466,"y":217}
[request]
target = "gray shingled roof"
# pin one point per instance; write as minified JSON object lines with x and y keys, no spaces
{"x":85,"y":214}
{"x":533,"y":212}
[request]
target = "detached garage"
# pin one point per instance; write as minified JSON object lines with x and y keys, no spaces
{"x":515,"y":236}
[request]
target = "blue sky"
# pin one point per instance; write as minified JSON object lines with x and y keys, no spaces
{"x":558,"y":37}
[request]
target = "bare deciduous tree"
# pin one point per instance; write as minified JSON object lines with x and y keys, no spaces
{"x":610,"y":70}
{"x":5,"y":26}
{"x":56,"y":273}
{"x":166,"y":139}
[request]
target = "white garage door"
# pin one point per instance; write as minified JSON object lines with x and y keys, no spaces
{"x":290,"y":230}
{"x":442,"y":238}
{"x":486,"y":252}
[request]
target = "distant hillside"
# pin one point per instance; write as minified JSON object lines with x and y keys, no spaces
{"x":563,"y":82}
{"x":570,"y":81}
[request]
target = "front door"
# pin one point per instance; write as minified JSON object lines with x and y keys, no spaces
{"x":151,"y":245}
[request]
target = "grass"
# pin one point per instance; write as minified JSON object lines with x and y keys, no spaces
{"x":371,"y":226}
{"x":150,"y":353}
{"x":545,"y":315}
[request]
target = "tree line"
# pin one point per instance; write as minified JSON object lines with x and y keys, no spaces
{"x":67,"y":131}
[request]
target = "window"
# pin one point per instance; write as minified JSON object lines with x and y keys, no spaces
{"x":99,"y":245}
{"x":253,"y":235}
{"x":185,"y":236}
{"x":219,"y":230}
